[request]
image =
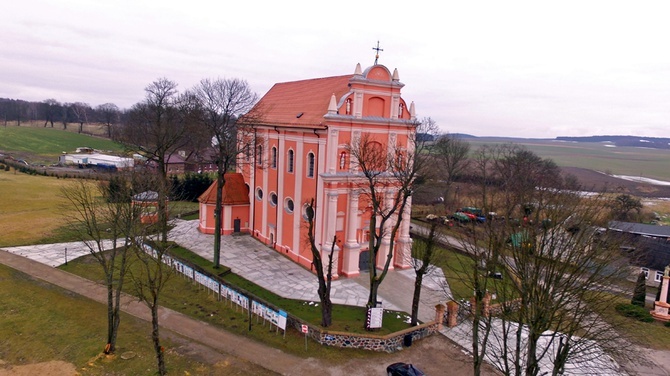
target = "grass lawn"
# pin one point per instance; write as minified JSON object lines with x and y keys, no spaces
{"x":32,"y":210}
{"x":648,"y":334}
{"x":41,"y":322}
{"x":189,"y":298}
{"x":49,"y":143}
{"x":31,"y":207}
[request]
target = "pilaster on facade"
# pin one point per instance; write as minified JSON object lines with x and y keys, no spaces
{"x":386,"y":233}
{"x":358,"y":103}
{"x":403,"y":253}
{"x":330,"y":231}
{"x":352,"y":250}
{"x":332,"y":147}
{"x":395,"y":104}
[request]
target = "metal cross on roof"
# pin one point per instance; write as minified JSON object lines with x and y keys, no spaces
{"x":377,"y":54}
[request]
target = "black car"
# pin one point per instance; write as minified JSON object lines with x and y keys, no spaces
{"x":403,"y":369}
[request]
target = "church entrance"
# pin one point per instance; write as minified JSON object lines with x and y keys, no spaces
{"x":236,"y":225}
{"x":364,"y":261}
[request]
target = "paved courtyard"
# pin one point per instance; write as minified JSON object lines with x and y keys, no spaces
{"x":269,"y":269}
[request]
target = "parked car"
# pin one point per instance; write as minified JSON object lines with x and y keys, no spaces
{"x":404,"y":369}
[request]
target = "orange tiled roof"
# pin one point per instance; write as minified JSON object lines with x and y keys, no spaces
{"x":282,"y":104}
{"x":235,"y":191}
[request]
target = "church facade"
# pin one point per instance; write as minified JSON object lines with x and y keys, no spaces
{"x":301,"y":155}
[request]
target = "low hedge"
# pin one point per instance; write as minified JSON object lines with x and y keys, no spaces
{"x":634,"y":311}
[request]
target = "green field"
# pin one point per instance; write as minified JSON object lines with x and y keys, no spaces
{"x":31,"y":208}
{"x":46,"y":144}
{"x":42,"y":323}
{"x":33,"y":211}
{"x":649,"y":163}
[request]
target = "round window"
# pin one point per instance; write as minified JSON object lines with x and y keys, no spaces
{"x":307,"y":212}
{"x":273,"y":199}
{"x":259,"y":193}
{"x":288,"y":204}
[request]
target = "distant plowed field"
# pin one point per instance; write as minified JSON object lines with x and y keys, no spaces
{"x":599,"y":181}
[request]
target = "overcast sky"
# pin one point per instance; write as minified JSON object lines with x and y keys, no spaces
{"x":501,"y":68}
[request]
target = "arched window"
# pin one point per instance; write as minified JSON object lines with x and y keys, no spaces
{"x":310,"y":165}
{"x":290,"y":161}
{"x":259,"y":155}
{"x":343,"y":160}
{"x":274,"y":157}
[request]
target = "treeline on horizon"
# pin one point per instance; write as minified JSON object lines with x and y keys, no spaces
{"x":50,"y":111}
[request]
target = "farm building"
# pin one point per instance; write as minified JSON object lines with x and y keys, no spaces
{"x":651,"y":244}
{"x":96,"y":160}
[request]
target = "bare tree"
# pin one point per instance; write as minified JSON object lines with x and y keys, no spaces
{"x":451,"y":154}
{"x":154,"y":269}
{"x":50,"y":107}
{"x":424,"y":254}
{"x":159,"y":127}
{"x":549,"y":265}
{"x":221,"y":102}
{"x":80,"y":111}
{"x":388,"y":175}
{"x":324,"y":273}
{"x":109,"y":114}
{"x":65,"y":114}
{"x":105,"y":226}
{"x":149,"y":280}
{"x":623,"y":204}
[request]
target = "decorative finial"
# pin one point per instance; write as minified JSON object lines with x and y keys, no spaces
{"x":377,"y":54}
{"x":358,"y":71}
{"x":332,"y":106}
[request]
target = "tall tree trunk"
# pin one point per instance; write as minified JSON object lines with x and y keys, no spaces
{"x":218,"y":220}
{"x":155,"y":337}
{"x":109,"y":348}
{"x":417,"y":298}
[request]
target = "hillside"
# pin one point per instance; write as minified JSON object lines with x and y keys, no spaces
{"x":594,"y":161}
{"x":632,"y":141}
{"x":44,"y":145}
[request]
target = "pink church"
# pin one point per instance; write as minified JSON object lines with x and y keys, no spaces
{"x":301,"y":154}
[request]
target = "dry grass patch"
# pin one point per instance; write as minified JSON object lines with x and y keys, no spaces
{"x":31,"y":207}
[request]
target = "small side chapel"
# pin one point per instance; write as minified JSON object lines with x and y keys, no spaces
{"x":301,"y":154}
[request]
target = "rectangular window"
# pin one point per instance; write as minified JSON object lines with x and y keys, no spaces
{"x":659,"y":276}
{"x":646,"y":272}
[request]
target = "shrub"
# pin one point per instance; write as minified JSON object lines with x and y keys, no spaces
{"x":667,"y":324}
{"x":634,"y":312}
{"x":640,"y":292}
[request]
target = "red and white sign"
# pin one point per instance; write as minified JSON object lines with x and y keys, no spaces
{"x":304,"y":328}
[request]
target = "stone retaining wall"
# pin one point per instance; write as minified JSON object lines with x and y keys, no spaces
{"x":387,"y":343}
